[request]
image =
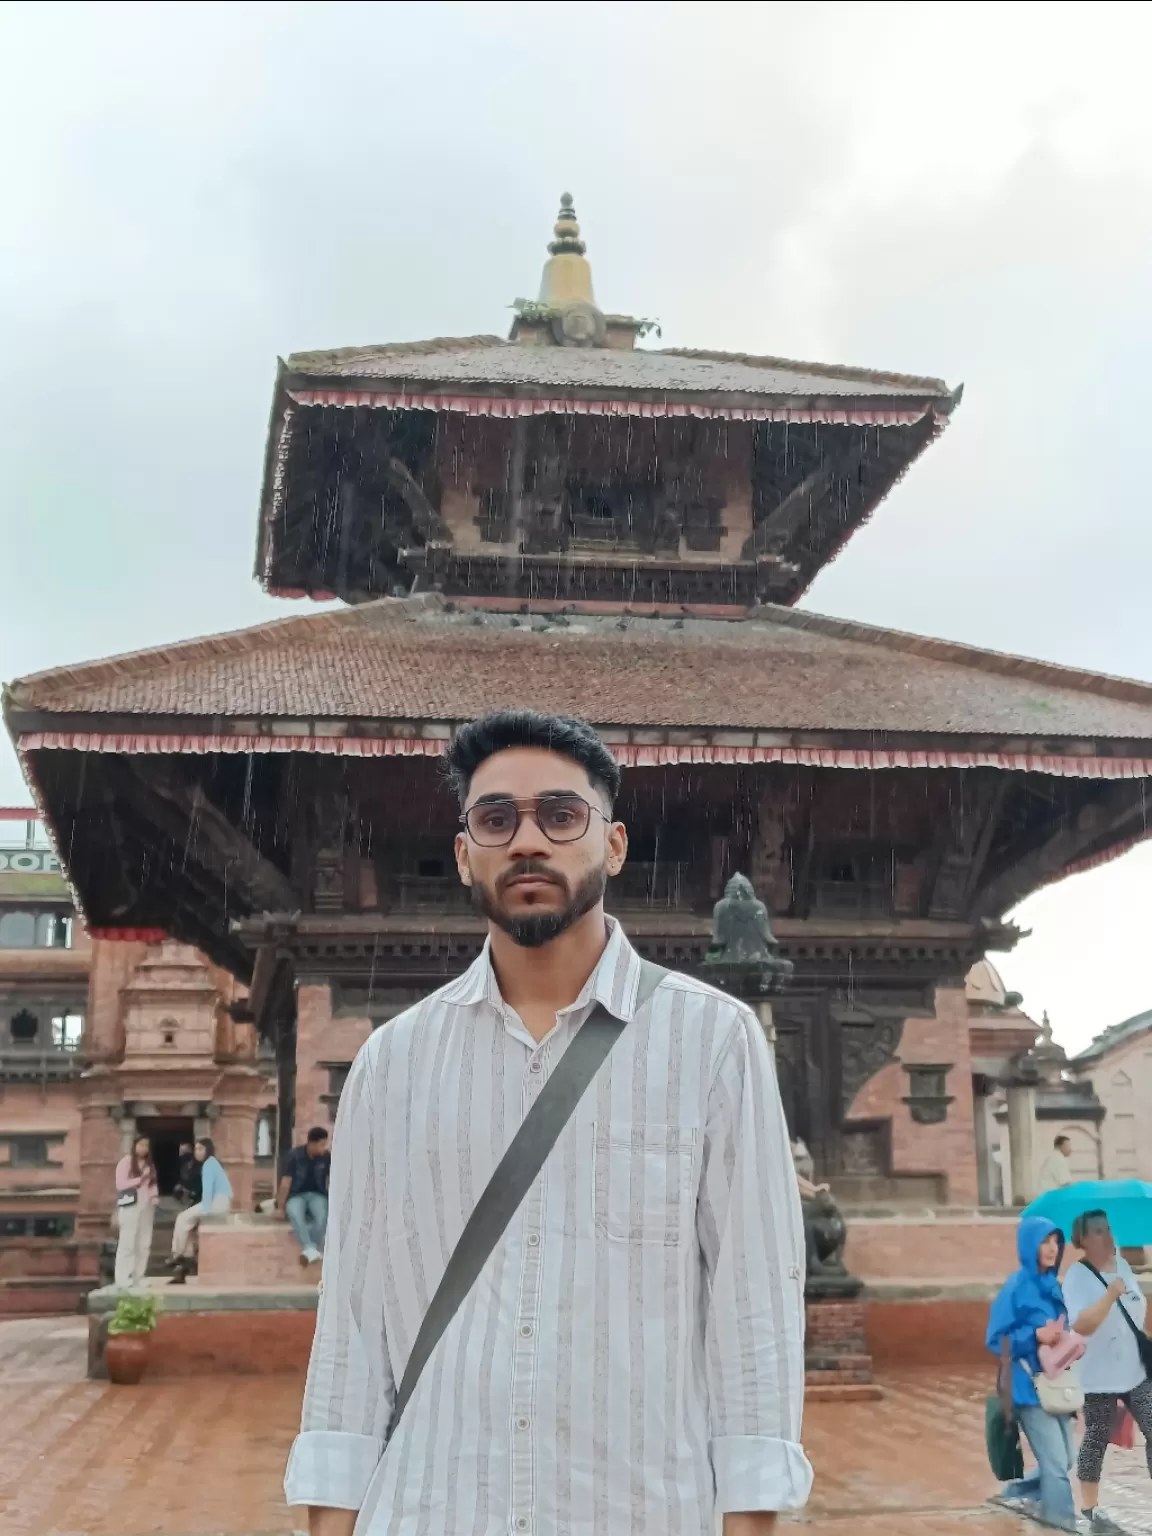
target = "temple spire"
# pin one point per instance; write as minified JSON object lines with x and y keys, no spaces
{"x":567,"y":276}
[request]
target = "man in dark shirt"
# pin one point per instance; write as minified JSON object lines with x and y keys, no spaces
{"x":303,"y":1193}
{"x":188,"y":1188}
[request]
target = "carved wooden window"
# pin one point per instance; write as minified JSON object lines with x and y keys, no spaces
{"x":427,"y":881}
{"x":68,"y":1031}
{"x":52,"y":1226}
{"x":53,"y":931}
{"x":927,"y":1098}
{"x":24,"y":1028}
{"x":28,"y":1152}
{"x":36,"y":1226}
{"x":493,"y":518}
{"x":17,"y":930}
{"x":852,"y":883}
{"x":703,"y":526}
{"x":337,"y":1076}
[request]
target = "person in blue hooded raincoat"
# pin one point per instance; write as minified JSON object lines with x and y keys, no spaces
{"x":1028,"y":1312}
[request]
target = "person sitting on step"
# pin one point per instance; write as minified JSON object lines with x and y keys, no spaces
{"x":303,"y":1193}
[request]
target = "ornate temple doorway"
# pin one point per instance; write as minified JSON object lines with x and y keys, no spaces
{"x":167,"y":1133}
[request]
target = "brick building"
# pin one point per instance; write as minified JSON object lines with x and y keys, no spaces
{"x":99,"y":1040}
{"x":568,"y":521}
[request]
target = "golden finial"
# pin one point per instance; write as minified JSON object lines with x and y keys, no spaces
{"x":567,"y":276}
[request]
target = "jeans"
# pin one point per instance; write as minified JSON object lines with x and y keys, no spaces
{"x":308,"y":1214}
{"x":1051,"y":1442}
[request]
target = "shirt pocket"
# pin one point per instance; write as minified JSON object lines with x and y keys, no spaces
{"x":643,"y":1182}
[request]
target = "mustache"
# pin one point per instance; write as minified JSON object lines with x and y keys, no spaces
{"x":534,"y":867}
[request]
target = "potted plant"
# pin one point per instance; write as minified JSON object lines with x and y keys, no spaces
{"x":129,"y":1343}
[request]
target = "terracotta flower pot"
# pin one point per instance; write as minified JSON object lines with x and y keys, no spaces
{"x":126,"y":1355}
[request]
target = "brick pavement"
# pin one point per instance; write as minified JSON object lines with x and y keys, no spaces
{"x":205,"y":1457}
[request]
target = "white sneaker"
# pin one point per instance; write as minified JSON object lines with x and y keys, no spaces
{"x":312,"y":1255}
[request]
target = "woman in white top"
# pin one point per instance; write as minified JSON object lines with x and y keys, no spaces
{"x":136,"y":1196}
{"x":1102,"y":1308}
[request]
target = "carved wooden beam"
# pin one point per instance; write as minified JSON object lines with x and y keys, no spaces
{"x":775,"y":532}
{"x":954,"y":868}
{"x":1104,"y":820}
{"x":217,"y":843}
{"x":177,"y":896}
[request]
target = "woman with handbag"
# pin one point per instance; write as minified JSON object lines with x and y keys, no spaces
{"x":136,"y":1195}
{"x":1109,"y":1308}
{"x":1029,"y":1313}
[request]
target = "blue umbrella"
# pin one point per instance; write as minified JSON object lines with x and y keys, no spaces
{"x":1127,"y":1203}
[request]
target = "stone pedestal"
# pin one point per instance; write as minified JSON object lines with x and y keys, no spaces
{"x":250,"y":1250}
{"x":837,"y":1362}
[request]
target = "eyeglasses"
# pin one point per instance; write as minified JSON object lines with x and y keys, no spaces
{"x":561,"y":818}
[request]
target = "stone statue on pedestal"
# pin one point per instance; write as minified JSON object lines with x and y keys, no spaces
{"x":825,"y":1234}
{"x":744,"y":954}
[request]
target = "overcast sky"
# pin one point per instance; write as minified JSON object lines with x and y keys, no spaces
{"x":960,"y":190}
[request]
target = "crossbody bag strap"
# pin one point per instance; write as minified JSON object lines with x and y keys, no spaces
{"x":516,"y":1173}
{"x":1124,"y":1312}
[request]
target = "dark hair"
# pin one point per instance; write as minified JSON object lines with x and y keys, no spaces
{"x":1080,"y":1225}
{"x":137,"y":1166}
{"x":1062,"y":1141}
{"x":209,"y":1146}
{"x":481,"y":739}
{"x":317,"y":1133}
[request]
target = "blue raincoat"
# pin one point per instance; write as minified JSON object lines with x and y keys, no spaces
{"x":1027,"y":1301}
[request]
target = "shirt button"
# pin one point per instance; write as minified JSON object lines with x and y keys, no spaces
{"x":522,"y":1423}
{"x":521,"y":1522}
{"x":526,"y":1330}
{"x":537,"y":1066}
{"x":533,"y":1239}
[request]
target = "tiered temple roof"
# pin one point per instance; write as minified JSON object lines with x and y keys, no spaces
{"x":567,"y":522}
{"x":786,"y":679}
{"x":691,"y":476}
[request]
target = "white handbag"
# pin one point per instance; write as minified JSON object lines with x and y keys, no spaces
{"x":1060,"y":1395}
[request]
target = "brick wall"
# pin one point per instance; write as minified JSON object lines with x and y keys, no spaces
{"x":112,"y":967}
{"x":950,"y":1252}
{"x":320,"y":1037}
{"x":27,"y":1109}
{"x":243,"y":1343}
{"x":928,"y":1333}
{"x":257,"y":1250}
{"x":947,"y":1149}
{"x":100,"y":1139}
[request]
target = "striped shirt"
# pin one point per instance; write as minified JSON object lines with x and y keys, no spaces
{"x":631,"y":1358}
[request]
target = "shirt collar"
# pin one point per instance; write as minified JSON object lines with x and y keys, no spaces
{"x":613,"y":982}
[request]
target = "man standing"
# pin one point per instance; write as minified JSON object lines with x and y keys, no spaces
{"x":630,"y":1358}
{"x":303,"y":1193}
{"x":1056,"y":1169}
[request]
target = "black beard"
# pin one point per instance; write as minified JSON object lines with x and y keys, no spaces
{"x":532,"y":932}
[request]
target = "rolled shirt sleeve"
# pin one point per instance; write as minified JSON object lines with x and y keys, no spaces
{"x":351,"y":1389}
{"x":752,"y":1238}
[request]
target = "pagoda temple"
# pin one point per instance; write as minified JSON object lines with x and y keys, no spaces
{"x":573,"y":522}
